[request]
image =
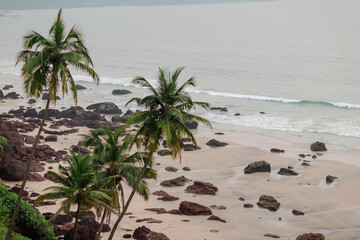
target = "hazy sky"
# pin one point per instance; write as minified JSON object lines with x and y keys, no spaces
{"x":44,"y":4}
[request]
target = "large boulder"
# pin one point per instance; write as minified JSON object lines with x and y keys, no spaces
{"x":191,"y":124}
{"x":120,"y":92}
{"x":62,"y":219}
{"x":259,"y":166}
{"x":191,"y":208}
{"x":143,"y":233}
{"x":202,"y":188}
{"x":269,"y":203}
{"x":216,"y":143}
{"x":179,"y":181}
{"x":12,"y":95}
{"x":311,"y":236}
{"x":318,"y":147}
{"x":13,"y":172}
{"x":105,"y":108}
{"x":30,"y":113}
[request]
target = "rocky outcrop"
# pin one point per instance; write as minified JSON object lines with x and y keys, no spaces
{"x":31,"y":112}
{"x":120,"y":92}
{"x":287,"y":172}
{"x":51,"y":138}
{"x":61,"y":219}
{"x":202,"y":188}
{"x":144,"y":233}
{"x":179,"y":181}
{"x":311,"y":236}
{"x":105,"y":108}
{"x":318,"y":147}
{"x":260,"y":166}
{"x":191,"y":208}
{"x":12,"y":95}
{"x":269,"y":203}
{"x":216,"y":143}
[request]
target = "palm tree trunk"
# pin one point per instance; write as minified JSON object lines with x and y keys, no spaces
{"x":130,"y":198}
{"x":76,"y":221}
{"x":28,"y":163}
{"x":101,"y":225}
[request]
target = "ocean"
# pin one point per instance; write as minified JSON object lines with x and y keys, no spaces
{"x":296,"y":60}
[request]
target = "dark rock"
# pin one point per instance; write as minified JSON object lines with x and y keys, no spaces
{"x":179,"y":181}
{"x":186,"y":169}
{"x":191,"y":208}
{"x":6,"y":87}
{"x":29,"y":140}
{"x":61,"y":219}
{"x":120,"y":92}
{"x":287,"y":172}
{"x":219,"y":133}
{"x":248,"y":205}
{"x":1,"y":94}
{"x":314,"y":157}
{"x":269,"y":203}
{"x":127,"y":236}
{"x":260,"y":166}
{"x":165,"y":196}
{"x":157,"y":210}
{"x":82,"y":150}
{"x":318,"y":147}
{"x":34,"y":194}
{"x":202,"y":188}
{"x":302,"y":155}
{"x":16,"y":190}
{"x":80,"y":87}
{"x":191,"y":124}
{"x":105,"y":108}
{"x":58,"y":231}
{"x":218,"y":207}
{"x":106,"y":228}
{"x":276,"y":150}
{"x":51,"y":178}
{"x":297,"y":212}
{"x":12,"y":95}
{"x":143,"y":233}
{"x":330,"y":179}
{"x":262,"y":112}
{"x":221,"y":109}
{"x":83,"y":232}
{"x":34,"y":177}
{"x":14,"y":171}
{"x":84,"y":215}
{"x":190,"y":147}
{"x":51,"y":138}
{"x":171,"y":169}
{"x":216,"y":143}
{"x":305,"y":164}
{"x":237,"y":114}
{"x":311,"y":236}
{"x":216,"y":218}
{"x":45,"y":96}
{"x":48,"y":215}
{"x":271,"y":235}
{"x":164,"y":152}
{"x":31,"y":101}
{"x":30,"y":113}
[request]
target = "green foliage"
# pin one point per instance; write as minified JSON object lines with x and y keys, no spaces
{"x":3,"y":142}
{"x":31,"y":223}
{"x":3,"y":190}
{"x":14,"y":236}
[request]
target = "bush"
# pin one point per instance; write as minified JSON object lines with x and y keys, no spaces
{"x":3,"y":190}
{"x":14,"y":236}
{"x":30,"y":222}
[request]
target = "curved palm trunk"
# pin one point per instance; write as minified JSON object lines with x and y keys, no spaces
{"x":101,"y":225}
{"x":130,"y":198}
{"x":28,"y":163}
{"x":76,"y":220}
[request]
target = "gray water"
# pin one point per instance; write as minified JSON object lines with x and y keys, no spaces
{"x":296,"y":60}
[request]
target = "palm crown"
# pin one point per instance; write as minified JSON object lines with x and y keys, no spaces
{"x":47,"y":60}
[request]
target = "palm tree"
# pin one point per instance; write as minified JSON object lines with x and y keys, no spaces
{"x":79,"y":186}
{"x":111,"y":156}
{"x":168,"y":108}
{"x":46,"y":66}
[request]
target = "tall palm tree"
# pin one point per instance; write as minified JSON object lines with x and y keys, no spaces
{"x":111,"y":156}
{"x":79,"y":186}
{"x":168,"y":108}
{"x":46,"y":63}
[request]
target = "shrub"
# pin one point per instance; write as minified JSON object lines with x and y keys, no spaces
{"x":3,"y":190}
{"x":30,"y":222}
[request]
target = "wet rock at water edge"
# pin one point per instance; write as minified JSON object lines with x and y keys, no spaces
{"x":191,"y":124}
{"x":259,"y":166}
{"x":221,"y":109}
{"x":318,"y":147}
{"x":330,"y":179}
{"x":276,"y":150}
{"x":80,"y":87}
{"x":120,"y":92}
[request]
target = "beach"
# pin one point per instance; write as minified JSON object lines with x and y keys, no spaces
{"x":330,"y":209}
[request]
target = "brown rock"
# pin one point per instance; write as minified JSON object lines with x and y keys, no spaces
{"x":216,"y":218}
{"x":311,"y":236}
{"x":51,"y":138}
{"x":297,"y":212}
{"x":287,"y":172}
{"x":330,"y":179}
{"x":271,"y":235}
{"x":216,"y":143}
{"x":143,"y":233}
{"x":269,"y":203}
{"x":180,"y":181}
{"x":259,"y":166}
{"x":191,"y":208}
{"x":202,"y":188}
{"x":318,"y":147}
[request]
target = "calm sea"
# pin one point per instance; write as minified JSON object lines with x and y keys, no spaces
{"x":296,"y":60}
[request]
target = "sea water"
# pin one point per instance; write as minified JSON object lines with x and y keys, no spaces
{"x":295,"y":60}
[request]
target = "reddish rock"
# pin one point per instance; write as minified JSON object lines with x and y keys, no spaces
{"x":202,"y":188}
{"x":311,"y":236}
{"x":143,"y":233}
{"x":216,"y":218}
{"x":165,"y":196}
{"x":62,"y":219}
{"x":34,"y":177}
{"x":14,"y":171}
{"x":29,"y":140}
{"x":269,"y":203}
{"x":191,"y":208}
{"x":51,"y":138}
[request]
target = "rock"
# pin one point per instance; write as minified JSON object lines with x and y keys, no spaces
{"x":31,"y":113}
{"x":186,"y":169}
{"x":305,"y":164}
{"x":143,"y":233}
{"x":330,"y":179}
{"x":148,"y":220}
{"x":164,"y":152}
{"x":77,"y":149}
{"x":190,"y":147}
{"x":83,"y":232}
{"x":262,"y":112}
{"x":221,"y":109}
{"x":202,"y":188}
{"x":45,"y":96}
{"x":14,"y":171}
{"x":179,"y":181}
{"x":6,"y":87}
{"x":287,"y":172}
{"x":217,"y":207}
{"x":276,"y":150}
{"x":260,"y":166}
{"x":80,"y":87}
{"x":51,"y":178}
{"x":302,"y":155}
{"x":58,"y":231}
{"x":34,"y":177}
{"x":191,"y":124}
{"x":311,"y":236}
{"x":297,"y":212}
{"x":84,"y":215}
{"x":314,"y":156}
{"x":31,"y":101}
{"x":248,"y":205}
{"x":29,"y":140}
{"x":216,"y":218}
{"x":165,"y":196}
{"x":16,"y":190}
{"x":157,"y":210}
{"x":171,"y":169}
{"x":34,"y":194}
{"x":237,"y":114}
{"x":269,"y":203}
{"x":216,"y":143}
{"x":318,"y":147}
{"x":219,"y":133}
{"x":105,"y":108}
{"x":271,"y":235}
{"x":127,"y":236}
{"x":68,"y":226}
{"x":120,"y":92}
{"x":51,"y":138}
{"x":61,"y":219}
{"x":1,"y":94}
{"x":12,"y":95}
{"x":191,"y":208}
{"x":48,"y":215}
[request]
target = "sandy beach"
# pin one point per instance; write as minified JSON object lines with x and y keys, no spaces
{"x":330,"y":209}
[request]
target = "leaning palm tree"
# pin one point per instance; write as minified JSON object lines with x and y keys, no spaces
{"x":111,"y":159}
{"x":168,"y":108}
{"x":46,"y":63}
{"x":79,"y":186}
